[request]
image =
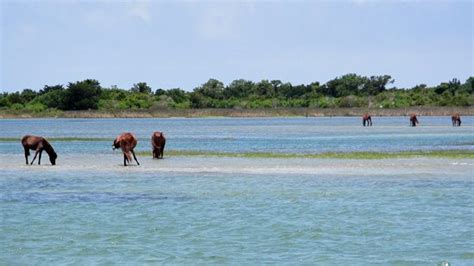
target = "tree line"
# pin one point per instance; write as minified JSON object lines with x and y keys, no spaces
{"x":349,"y":90}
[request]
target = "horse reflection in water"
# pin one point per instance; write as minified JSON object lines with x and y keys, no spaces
{"x":367,"y":120}
{"x":127,"y":142}
{"x":38,"y":144}
{"x":456,"y":119}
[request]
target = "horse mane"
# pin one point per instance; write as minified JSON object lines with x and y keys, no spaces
{"x":48,"y":148}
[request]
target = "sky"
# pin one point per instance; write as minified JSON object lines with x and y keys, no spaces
{"x":182,"y":44}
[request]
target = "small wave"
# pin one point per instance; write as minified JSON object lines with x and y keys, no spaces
{"x":84,"y":197}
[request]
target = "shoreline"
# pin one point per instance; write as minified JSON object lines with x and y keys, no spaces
{"x":240,"y":113}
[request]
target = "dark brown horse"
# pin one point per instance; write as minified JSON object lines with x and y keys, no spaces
{"x":127,"y":142}
{"x":367,"y":120}
{"x":456,"y":119}
{"x":38,"y":144}
{"x":413,"y":120}
{"x":158,"y":142}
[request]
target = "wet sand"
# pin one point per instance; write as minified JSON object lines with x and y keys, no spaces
{"x":226,"y":165}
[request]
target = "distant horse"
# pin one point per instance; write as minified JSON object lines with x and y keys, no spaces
{"x":158,"y":142}
{"x":367,"y":119}
{"x":38,"y":144}
{"x":456,"y":119}
{"x":413,"y":120}
{"x":127,"y":142}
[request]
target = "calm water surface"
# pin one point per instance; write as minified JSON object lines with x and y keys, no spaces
{"x":290,"y":135}
{"x":187,"y":210}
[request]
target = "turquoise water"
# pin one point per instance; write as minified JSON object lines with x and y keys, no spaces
{"x":89,"y":209}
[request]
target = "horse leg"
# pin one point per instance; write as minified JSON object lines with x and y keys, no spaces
{"x":39,"y":158}
{"x":135,"y":157}
{"x":163,"y":149}
{"x":34,"y":158}
{"x":124,"y":160}
{"x":27,"y":153}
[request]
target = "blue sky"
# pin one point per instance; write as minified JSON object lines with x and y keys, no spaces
{"x":171,"y":44}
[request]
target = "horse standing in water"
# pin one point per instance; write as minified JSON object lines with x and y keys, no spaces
{"x":127,"y":142}
{"x":367,"y":119}
{"x":38,"y":144}
{"x":158,"y":142}
{"x":456,"y":119}
{"x":413,"y":120}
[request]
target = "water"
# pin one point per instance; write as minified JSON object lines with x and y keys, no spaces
{"x":89,"y":209}
{"x":288,"y":135}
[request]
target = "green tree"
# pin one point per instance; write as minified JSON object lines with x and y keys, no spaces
{"x":213,"y":89}
{"x":240,"y":88}
{"x":48,"y":88}
{"x":160,"y":92}
{"x":82,"y":95}
{"x":376,"y":84}
{"x":27,"y":95}
{"x":344,"y":85}
{"x":468,"y":86}
{"x":53,"y":99}
{"x":141,"y":87}
{"x":199,"y":101}
{"x":178,"y":95}
{"x":263,"y":89}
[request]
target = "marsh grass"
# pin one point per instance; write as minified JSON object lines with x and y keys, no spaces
{"x":466,"y":154}
{"x":231,"y":112}
{"x":461,"y":153}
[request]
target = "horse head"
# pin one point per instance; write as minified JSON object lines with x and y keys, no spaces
{"x":52,"y":157}
{"x":116,"y":144}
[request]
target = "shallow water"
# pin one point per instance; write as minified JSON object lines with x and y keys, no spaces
{"x":89,"y":209}
{"x":288,"y":135}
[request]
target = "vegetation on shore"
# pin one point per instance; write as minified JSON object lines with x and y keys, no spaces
{"x":347,"y":91}
{"x":261,"y":112}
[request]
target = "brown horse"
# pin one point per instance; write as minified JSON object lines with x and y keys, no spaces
{"x":158,"y":142}
{"x":38,"y":144}
{"x":456,"y":119}
{"x":367,"y":119}
{"x":127,"y":142}
{"x":413,"y":120}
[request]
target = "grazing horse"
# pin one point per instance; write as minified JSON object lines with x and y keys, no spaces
{"x":38,"y":144}
{"x":158,"y":142}
{"x":367,"y":119}
{"x":413,"y":120}
{"x":456,"y":119}
{"x":127,"y":142}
